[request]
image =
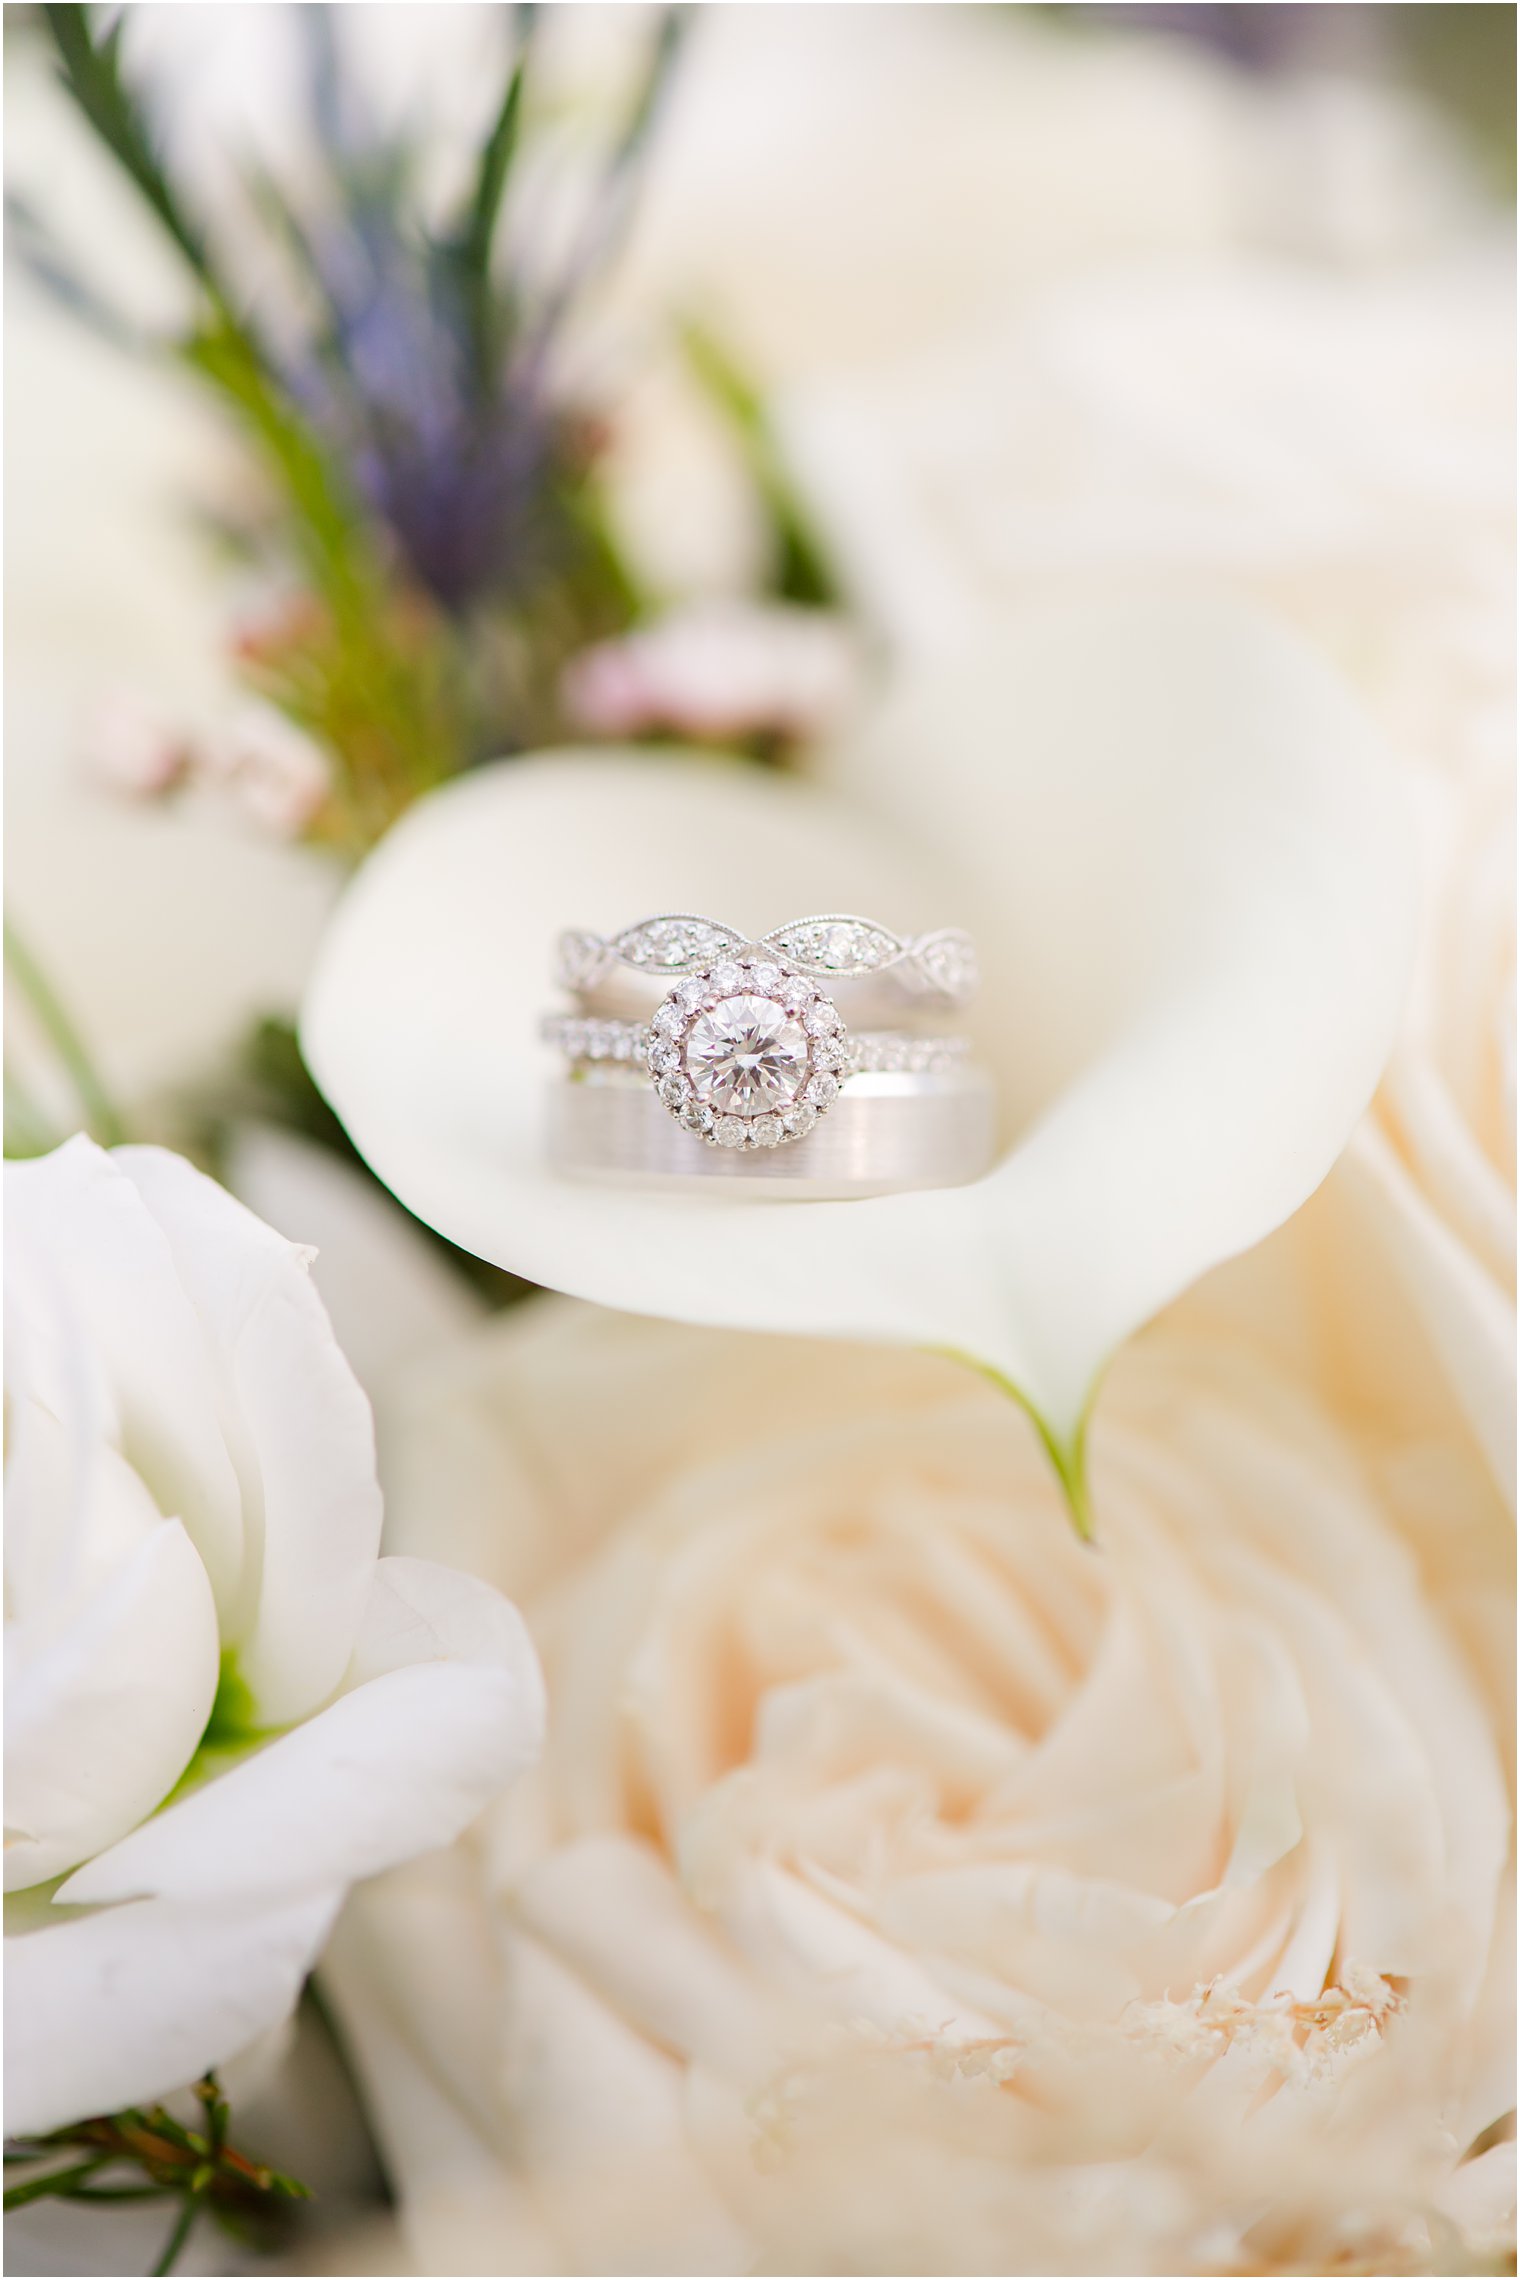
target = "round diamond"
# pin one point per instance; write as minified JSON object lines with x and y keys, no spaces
{"x":828,"y":1053}
{"x":746,"y":1055}
{"x":796,"y":990}
{"x":673,"y":1091}
{"x":822,"y":1020}
{"x":663,"y":1058}
{"x":765,"y":1131}
{"x":697,"y":1117}
{"x":796,"y":1121}
{"x":691,"y":992}
{"x":669,"y":1017}
{"x":766,"y":978}
{"x":726,"y":977}
{"x":822,"y":1090}
{"x":729,"y":1132}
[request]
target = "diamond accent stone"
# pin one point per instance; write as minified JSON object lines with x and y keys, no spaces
{"x":674,"y":1091}
{"x":837,"y":945}
{"x":822,"y":1090}
{"x":765,"y":1131}
{"x":828,"y":1053}
{"x":796,"y":1121}
{"x":746,"y":1055}
{"x":674,"y":945}
{"x":948,"y":963}
{"x":822,"y":1020}
{"x":729,"y":1132}
{"x":581,"y":957}
{"x":727,"y":978}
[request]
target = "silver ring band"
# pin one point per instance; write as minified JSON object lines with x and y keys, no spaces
{"x":582,"y":1038}
{"x":885,"y":1135}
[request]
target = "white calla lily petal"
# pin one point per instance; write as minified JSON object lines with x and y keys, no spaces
{"x":117,"y":2008}
{"x":293,"y":1400}
{"x":1180,"y":845}
{"x":446,"y":1707}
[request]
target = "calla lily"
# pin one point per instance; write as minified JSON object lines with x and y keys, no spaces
{"x":1179,"y":844}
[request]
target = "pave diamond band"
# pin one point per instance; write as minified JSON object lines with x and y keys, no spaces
{"x":940,"y":966}
{"x":582,"y":1038}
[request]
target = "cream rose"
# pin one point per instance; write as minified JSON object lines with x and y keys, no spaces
{"x":1429,"y":1182}
{"x":907,"y":1887}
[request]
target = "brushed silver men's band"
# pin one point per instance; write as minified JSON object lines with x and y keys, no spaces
{"x":747,"y":1068}
{"x":887,"y":1135}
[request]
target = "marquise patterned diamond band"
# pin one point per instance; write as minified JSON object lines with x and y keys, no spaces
{"x":939,"y":966}
{"x":746,"y":1054}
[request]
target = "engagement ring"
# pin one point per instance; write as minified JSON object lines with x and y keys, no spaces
{"x":747,"y":1053}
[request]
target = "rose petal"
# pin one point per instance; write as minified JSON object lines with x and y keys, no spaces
{"x":1181,"y":847}
{"x":291,"y":1397}
{"x":446,"y":1706}
{"x":389,"y":1294}
{"x":102,"y":1717}
{"x":90,"y":1272}
{"x":1467,"y":1316}
{"x":111,"y":2010}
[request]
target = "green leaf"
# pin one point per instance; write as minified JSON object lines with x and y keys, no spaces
{"x":100,"y":1115}
{"x":90,"y":70}
{"x":477,"y":230}
{"x":801,"y":571}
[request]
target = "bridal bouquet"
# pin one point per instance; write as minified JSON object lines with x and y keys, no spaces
{"x":955,"y":1727}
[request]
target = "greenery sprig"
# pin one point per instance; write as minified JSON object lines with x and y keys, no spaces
{"x":145,"y":2154}
{"x":434,"y":512}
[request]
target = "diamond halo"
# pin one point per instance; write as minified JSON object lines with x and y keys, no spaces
{"x":747,"y":1052}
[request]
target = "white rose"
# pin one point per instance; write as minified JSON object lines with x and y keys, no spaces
{"x":1034,"y":156}
{"x":1429,"y":1181}
{"x":1179,"y":850}
{"x":221,"y":1707}
{"x":1339,"y":448}
{"x":903,"y":1880}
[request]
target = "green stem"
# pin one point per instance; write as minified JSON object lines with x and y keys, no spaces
{"x":100,"y":1113}
{"x":177,"y":2239}
{"x":1068,"y":1458}
{"x":59,"y":2181}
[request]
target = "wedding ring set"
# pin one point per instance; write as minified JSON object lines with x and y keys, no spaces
{"x":814,"y":1060}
